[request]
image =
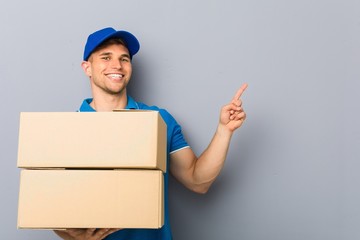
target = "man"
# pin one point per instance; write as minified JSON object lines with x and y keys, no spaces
{"x":107,"y":62}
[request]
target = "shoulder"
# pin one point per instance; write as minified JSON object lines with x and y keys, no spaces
{"x":175,"y":138}
{"x":168,"y":118}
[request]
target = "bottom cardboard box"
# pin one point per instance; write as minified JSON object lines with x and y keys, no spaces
{"x":59,"y":199}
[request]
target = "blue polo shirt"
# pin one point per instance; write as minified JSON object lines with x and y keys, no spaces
{"x":175,"y":142}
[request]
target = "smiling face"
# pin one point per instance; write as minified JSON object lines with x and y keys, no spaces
{"x":109,"y":69}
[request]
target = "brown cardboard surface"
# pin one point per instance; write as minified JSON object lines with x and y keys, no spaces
{"x":58,"y":199}
{"x":126,"y":139}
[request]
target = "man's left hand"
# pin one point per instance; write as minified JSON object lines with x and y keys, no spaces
{"x":232,"y":115}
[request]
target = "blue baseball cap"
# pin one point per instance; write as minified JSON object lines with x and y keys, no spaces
{"x":98,"y":37}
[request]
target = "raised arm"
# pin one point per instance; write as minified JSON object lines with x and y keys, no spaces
{"x":198,"y":174}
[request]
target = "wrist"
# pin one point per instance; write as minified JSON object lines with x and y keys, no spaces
{"x":223,"y":131}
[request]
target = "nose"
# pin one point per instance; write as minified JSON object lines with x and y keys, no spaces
{"x":116,"y":64}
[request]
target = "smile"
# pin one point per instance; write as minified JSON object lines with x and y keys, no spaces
{"x":115,"y":76}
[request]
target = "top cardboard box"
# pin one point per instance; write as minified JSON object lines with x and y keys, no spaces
{"x":123,"y":139}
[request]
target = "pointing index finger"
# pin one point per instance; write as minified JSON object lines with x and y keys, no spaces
{"x":240,"y":91}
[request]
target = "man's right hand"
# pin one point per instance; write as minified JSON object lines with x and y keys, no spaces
{"x":85,"y":233}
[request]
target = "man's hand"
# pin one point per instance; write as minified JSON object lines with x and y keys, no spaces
{"x":232,"y":115}
{"x":85,"y":234}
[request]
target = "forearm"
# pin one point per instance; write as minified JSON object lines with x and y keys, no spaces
{"x":211,"y":161}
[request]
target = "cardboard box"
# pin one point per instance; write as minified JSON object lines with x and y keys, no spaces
{"x":126,"y":139}
{"x":58,"y":199}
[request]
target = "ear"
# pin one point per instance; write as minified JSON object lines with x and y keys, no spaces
{"x":86,"y":66}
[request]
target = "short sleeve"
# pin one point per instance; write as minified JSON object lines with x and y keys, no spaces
{"x":175,"y":138}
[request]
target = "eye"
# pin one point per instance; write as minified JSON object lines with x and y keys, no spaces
{"x":106,"y":58}
{"x":125,"y":59}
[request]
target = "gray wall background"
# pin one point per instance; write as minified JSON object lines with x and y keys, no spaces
{"x":292,"y":169}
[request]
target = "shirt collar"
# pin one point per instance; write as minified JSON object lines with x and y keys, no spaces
{"x":131,"y":103}
{"x":85,"y":106}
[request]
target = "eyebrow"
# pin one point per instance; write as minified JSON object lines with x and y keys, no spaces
{"x":109,"y":53}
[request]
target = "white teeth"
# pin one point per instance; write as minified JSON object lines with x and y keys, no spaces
{"x":115,"y":75}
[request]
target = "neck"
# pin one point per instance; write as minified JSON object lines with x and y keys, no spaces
{"x":108,"y":103}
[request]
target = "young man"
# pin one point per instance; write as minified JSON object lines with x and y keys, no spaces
{"x":107,"y":63}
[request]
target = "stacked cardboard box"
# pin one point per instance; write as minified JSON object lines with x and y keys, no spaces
{"x":91,"y":170}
